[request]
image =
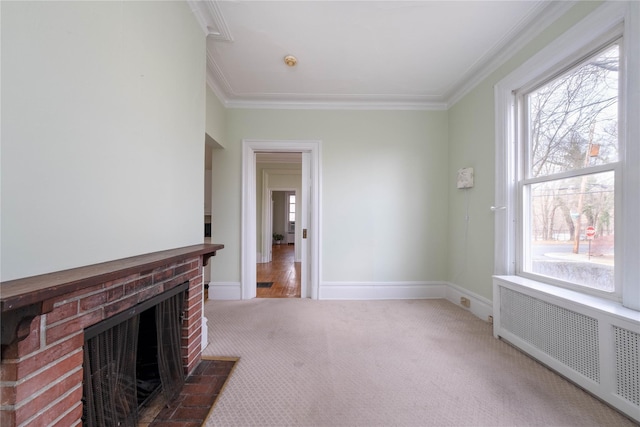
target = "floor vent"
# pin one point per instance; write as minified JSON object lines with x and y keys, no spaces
{"x":578,"y":336}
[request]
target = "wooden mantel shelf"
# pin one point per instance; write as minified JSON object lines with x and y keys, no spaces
{"x":28,"y":291}
{"x":23,"y":299}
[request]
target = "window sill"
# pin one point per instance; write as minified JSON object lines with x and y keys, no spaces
{"x":565,"y":296}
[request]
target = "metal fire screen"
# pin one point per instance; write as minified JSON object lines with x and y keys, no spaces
{"x":110,"y":389}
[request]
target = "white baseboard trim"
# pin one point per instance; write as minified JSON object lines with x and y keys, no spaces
{"x":261,"y":260}
{"x":205,"y":333}
{"x":381,"y":290}
{"x":225,"y":291}
{"x":480,"y":306}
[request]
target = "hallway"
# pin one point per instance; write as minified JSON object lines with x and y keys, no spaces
{"x":282,"y":271}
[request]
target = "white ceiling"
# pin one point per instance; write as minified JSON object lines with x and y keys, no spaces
{"x":361,"y":54}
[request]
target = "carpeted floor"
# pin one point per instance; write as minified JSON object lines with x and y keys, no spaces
{"x":382,"y":363}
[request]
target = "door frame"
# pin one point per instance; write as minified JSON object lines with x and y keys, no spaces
{"x":267,"y":211}
{"x":248,"y":228}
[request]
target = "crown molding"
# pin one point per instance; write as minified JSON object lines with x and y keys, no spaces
{"x":335,"y":104}
{"x":322,"y":101}
{"x":217,"y":81}
{"x":211,"y":20}
{"x":219,"y":22}
{"x":541,"y":18}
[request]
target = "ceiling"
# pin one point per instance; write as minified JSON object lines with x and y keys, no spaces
{"x":361,"y":54}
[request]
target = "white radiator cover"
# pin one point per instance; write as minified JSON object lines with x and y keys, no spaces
{"x":593,"y":342}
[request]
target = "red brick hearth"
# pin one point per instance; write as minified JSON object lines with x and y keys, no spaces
{"x":43,"y":322}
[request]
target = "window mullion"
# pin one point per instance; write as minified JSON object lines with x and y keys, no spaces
{"x":572,"y":174}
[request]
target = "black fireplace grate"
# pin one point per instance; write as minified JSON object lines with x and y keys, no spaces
{"x":119,"y":376}
{"x":110,"y":393}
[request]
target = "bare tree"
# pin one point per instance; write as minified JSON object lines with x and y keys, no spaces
{"x":572,"y":125}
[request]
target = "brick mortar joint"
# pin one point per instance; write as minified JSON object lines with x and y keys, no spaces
{"x":197,"y":330}
{"x":183,"y":277}
{"x":127,"y":280}
{"x":54,"y":343}
{"x":193,"y":354}
{"x":173,"y":265}
{"x":41,"y":349}
{"x":65,"y":413}
{"x":34,"y":396}
{"x":50,"y":405}
{"x":104,"y":288}
{"x":78,"y":297}
{"x":74,"y":317}
{"x":42,"y":369}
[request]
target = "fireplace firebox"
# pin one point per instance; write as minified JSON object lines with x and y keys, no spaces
{"x":130,"y":358}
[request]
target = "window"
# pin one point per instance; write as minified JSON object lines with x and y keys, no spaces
{"x":569,"y":155}
{"x":567,"y":149}
{"x":292,"y":212}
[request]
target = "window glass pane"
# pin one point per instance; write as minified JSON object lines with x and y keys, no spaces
{"x":573,"y":120}
{"x":558,"y":241}
{"x":292,"y":216}
{"x":292,"y":198}
{"x":292,"y":208}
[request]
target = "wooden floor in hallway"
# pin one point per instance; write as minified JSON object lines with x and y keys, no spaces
{"x":283,"y":271}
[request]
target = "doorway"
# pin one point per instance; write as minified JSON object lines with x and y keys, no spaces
{"x":279,"y":269}
{"x":310,"y":221}
{"x":280,"y":277}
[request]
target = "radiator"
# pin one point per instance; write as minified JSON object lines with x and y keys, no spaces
{"x":591,"y":342}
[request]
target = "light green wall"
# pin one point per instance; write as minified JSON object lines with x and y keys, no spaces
{"x":384,"y":205}
{"x":279,"y":213}
{"x":216,"y":122}
{"x":391,"y":209}
{"x":472,"y":143}
{"x":103,"y":116}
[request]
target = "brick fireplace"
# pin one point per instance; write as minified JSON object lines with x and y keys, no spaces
{"x":44,"y":317}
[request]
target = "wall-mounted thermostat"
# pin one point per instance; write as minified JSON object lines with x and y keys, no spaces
{"x":465,"y":178}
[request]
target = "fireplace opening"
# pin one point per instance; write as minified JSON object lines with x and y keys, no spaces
{"x":132,"y":358}
{"x":147,"y":372}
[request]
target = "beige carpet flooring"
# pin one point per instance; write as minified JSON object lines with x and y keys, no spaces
{"x":382,"y":363}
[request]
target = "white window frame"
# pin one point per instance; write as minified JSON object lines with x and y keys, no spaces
{"x":579,"y":40}
{"x":526,"y":181}
{"x":288,"y":220}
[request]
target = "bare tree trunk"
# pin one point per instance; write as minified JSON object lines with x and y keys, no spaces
{"x":552,"y":222}
{"x":583,"y":187}
{"x":576,"y":238}
{"x":567,"y":218}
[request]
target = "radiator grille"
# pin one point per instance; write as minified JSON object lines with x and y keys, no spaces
{"x":570,"y":337}
{"x":627,"y":364}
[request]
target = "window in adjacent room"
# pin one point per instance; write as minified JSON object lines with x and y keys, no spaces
{"x":292,"y":212}
{"x":569,"y":173}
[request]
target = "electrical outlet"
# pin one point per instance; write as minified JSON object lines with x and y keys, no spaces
{"x":465,"y":302}
{"x":490,"y":319}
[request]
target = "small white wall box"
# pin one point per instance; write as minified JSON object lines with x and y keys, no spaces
{"x":465,"y":178}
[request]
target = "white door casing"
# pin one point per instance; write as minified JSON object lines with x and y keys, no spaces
{"x":305,"y":199}
{"x":312,"y":169}
{"x":267,"y":211}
